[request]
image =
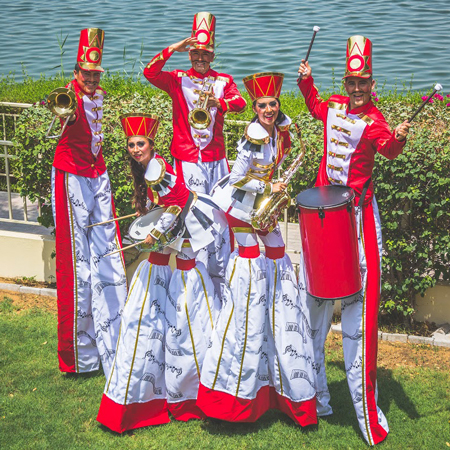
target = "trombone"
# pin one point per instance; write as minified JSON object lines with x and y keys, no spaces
{"x":200,"y":117}
{"x":62,"y":102}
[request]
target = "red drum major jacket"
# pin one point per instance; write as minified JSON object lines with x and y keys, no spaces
{"x":351,"y":139}
{"x":79,"y":150}
{"x":184,"y":87}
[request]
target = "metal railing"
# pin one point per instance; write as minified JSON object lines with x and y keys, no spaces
{"x":6,"y":155}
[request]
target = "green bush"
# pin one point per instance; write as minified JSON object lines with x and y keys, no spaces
{"x":412,"y":191}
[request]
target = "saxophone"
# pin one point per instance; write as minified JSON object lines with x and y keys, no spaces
{"x":265,"y":217}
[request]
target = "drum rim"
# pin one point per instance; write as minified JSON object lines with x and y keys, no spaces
{"x":155,"y":209}
{"x":337,"y":205}
{"x":335,"y":298}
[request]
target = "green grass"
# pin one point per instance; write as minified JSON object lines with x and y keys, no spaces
{"x":40,"y":408}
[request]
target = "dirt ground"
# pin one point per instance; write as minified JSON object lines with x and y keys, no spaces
{"x":28,"y":281}
{"x":397,"y":354}
{"x":390,"y":354}
{"x":22,"y":302}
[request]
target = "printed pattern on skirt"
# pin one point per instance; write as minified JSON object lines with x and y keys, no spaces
{"x":258,"y":359}
{"x":193,"y":307}
{"x":135,"y":393}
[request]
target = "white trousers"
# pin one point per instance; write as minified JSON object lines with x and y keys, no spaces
{"x":359,"y":331}
{"x":91,"y":286}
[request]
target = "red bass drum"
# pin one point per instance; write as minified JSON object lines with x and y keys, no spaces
{"x":329,"y":241}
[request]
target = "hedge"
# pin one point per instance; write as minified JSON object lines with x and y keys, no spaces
{"x":413,"y":191}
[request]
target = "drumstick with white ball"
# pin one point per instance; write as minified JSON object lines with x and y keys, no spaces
{"x":315,"y":31}
{"x":437,"y":88}
{"x":111,"y":220}
{"x":124,"y":248}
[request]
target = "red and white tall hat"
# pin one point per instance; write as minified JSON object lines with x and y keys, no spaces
{"x":90,"y":49}
{"x":359,"y":57}
{"x":264,"y":84}
{"x":138,"y":124}
{"x":204,"y":29}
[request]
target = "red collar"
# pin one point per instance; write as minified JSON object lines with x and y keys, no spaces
{"x":192,"y":73}
{"x":360,"y":109}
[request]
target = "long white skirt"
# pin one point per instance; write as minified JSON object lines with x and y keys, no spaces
{"x":135,"y":392}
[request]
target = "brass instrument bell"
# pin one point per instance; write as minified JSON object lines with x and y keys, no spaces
{"x":200,"y":117}
{"x":61,"y":102}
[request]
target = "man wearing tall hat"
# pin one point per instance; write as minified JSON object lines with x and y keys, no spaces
{"x":198,"y":149}
{"x":354,"y":131}
{"x":91,"y":287}
{"x":198,"y":145}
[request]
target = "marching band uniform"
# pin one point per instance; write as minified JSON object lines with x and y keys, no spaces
{"x":261,"y":355}
{"x":167,"y":319}
{"x":91,"y":289}
{"x":199,"y":154}
{"x":352,"y":138}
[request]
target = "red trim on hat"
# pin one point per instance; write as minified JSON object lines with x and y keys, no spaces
{"x":267,"y":84}
{"x":140,"y":125}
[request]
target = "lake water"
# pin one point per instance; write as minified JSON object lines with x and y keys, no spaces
{"x":409,"y":37}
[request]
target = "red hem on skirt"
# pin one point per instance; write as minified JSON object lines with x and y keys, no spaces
{"x":303,"y":413}
{"x":221,"y":405}
{"x":184,"y":411}
{"x":121,"y":418}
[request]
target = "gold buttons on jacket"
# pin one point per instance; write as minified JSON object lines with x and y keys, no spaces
{"x":342,"y":144}
{"x":342,"y":130}
{"x":332,"y":180}
{"x":336,"y":155}
{"x":338,"y":169}
{"x":345,"y":118}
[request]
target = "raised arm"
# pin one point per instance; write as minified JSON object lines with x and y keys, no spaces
{"x":153,"y":71}
{"x":315,"y":104}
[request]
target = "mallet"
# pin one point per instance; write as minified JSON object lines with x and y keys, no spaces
{"x":437,"y":88}
{"x":315,"y":31}
{"x":111,"y":220}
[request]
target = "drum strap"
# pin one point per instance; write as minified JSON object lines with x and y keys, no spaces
{"x":364,"y":192}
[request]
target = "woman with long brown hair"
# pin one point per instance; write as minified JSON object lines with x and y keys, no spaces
{"x":168,"y":318}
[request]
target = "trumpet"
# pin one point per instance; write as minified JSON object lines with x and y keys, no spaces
{"x":61,"y":102}
{"x":200,"y":117}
